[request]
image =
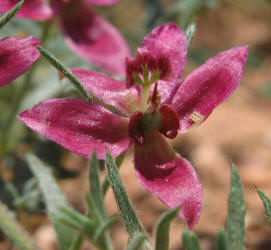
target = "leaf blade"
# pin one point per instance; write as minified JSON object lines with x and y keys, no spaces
{"x":235,"y":224}
{"x":162,"y":229}
{"x":136,"y":242}
{"x":13,"y":230}
{"x":53,"y":199}
{"x":127,"y":212}
{"x":266,"y":202}
{"x":190,"y":241}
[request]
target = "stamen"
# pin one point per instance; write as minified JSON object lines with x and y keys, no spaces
{"x":197,"y":118}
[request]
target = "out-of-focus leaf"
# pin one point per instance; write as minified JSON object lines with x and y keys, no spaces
{"x":105,"y":226}
{"x":132,"y":223}
{"x":96,"y":195}
{"x":74,"y":219}
{"x":53,"y":199}
{"x":220,"y":240}
{"x":162,"y":229}
{"x":190,"y":240}
{"x":266,"y":202}
{"x":88,"y":228}
{"x":136,"y":242}
{"x":186,"y":10}
{"x":13,"y":231}
{"x":266,"y":90}
{"x":190,"y":32}
{"x":154,"y":11}
{"x":235,"y":225}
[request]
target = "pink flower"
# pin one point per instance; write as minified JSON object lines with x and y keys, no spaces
{"x":157,"y":105}
{"x":16,"y":57}
{"x":87,"y":33}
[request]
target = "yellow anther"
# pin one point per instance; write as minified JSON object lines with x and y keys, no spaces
{"x":197,"y":118}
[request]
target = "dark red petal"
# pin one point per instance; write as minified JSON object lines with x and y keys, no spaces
{"x":103,"y":2}
{"x":93,"y":38}
{"x":170,"y":121}
{"x":135,"y":130}
{"x":16,"y":57}
{"x":32,"y":9}
{"x":169,"y":177}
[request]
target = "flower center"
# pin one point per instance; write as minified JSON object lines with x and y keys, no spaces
{"x":165,"y":120}
{"x":145,"y":69}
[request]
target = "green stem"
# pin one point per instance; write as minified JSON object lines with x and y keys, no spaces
{"x":90,"y":97}
{"x":19,"y":94}
{"x":6,"y":18}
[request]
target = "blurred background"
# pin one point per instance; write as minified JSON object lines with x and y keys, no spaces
{"x":239,"y":130}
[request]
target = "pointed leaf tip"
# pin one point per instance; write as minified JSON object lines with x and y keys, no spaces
{"x":266,"y":202}
{"x":190,"y":241}
{"x":235,"y":225}
{"x":162,"y":229}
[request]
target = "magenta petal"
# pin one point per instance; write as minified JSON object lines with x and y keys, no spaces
{"x":32,"y":9}
{"x":167,"y":41}
{"x":174,"y":183}
{"x":209,"y":85}
{"x":93,"y":38}
{"x":16,"y":57}
{"x":79,"y":126}
{"x":111,"y":91}
{"x":103,"y":2}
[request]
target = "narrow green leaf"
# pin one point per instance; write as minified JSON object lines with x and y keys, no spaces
{"x":190,"y":241}
{"x":65,"y":71}
{"x":96,"y":195}
{"x":190,"y":32}
{"x":235,"y":225}
{"x":77,"y":243}
{"x":127,"y":212}
{"x":76,"y":220}
{"x":106,"y":184}
{"x":86,"y":227}
{"x":162,"y":229}
{"x":96,"y":205}
{"x":75,"y":81}
{"x":13,"y":231}
{"x":220,"y":240}
{"x":266,"y":202}
{"x":4,"y":19}
{"x":105,"y":226}
{"x":136,"y":242}
{"x":53,"y":199}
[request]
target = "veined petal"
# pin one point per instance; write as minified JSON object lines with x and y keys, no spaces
{"x":209,"y":85}
{"x":32,"y":9}
{"x":111,"y":91}
{"x":79,"y":126}
{"x":16,"y":57}
{"x":103,"y":2}
{"x":93,"y":38}
{"x":174,"y":182}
